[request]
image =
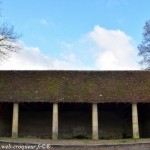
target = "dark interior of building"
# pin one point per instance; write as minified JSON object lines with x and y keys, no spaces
{"x":75,"y":120}
{"x":5,"y":119}
{"x":35,"y":120}
{"x":115,"y":121}
{"x":144,"y":120}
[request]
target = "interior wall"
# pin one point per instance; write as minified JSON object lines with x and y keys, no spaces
{"x":35,"y":120}
{"x":144,"y":120}
{"x":5,"y":119}
{"x":75,"y":121}
{"x":115,"y":121}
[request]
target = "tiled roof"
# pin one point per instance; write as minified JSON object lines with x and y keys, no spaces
{"x":75,"y":86}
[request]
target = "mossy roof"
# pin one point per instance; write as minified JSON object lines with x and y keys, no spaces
{"x":75,"y":86}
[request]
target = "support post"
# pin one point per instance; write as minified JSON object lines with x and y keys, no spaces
{"x":135,"y":124}
{"x":55,"y":122}
{"x":94,"y":122}
{"x":15,"y":120}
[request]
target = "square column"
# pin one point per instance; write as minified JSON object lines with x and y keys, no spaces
{"x":15,"y":120}
{"x":94,"y":122}
{"x":135,"y":124}
{"x":55,"y":122}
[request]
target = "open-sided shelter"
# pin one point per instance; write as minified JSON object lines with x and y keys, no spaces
{"x":75,"y":104}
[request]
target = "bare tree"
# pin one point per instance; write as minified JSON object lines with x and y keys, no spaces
{"x":8,"y":41}
{"x":144,"y":47}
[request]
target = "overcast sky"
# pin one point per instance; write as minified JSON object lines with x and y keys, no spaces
{"x":76,"y":34}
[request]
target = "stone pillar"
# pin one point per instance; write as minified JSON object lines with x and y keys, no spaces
{"x":55,"y":122}
{"x":135,"y":124}
{"x":94,"y":122}
{"x":15,"y":120}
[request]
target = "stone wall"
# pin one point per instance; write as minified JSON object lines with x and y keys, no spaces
{"x":78,"y":124}
{"x":112,"y":125}
{"x":35,"y":124}
{"x":75,"y":121}
{"x":75,"y":124}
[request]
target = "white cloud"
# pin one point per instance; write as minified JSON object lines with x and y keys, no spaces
{"x":100,"y":49}
{"x":30,"y":58}
{"x":71,"y":57}
{"x":115,"y":49}
{"x":66,"y":45}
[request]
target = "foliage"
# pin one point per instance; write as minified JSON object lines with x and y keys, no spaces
{"x":144,"y":47}
{"x":8,"y":40}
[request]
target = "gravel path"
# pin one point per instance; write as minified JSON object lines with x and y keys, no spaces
{"x":40,"y":144}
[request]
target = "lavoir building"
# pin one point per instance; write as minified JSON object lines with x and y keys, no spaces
{"x":75,"y":104}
